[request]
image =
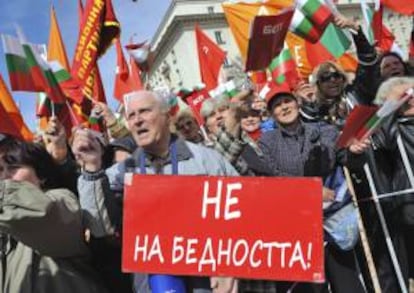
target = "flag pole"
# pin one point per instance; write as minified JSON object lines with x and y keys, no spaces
{"x":52,"y":107}
{"x":388,"y":240}
{"x":74,"y":118}
{"x":363,"y":235}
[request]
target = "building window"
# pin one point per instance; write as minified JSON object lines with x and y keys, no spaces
{"x":219,"y":38}
{"x":210,"y":9}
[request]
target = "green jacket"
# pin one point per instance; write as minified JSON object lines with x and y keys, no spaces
{"x":42,"y":247}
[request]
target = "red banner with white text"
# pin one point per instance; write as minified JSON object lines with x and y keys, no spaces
{"x":260,"y":228}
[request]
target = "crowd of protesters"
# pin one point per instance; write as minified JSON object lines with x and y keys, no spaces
{"x":61,"y":198}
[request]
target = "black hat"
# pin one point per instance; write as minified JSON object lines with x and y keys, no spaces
{"x":271,"y":103}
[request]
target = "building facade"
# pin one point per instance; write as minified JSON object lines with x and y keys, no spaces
{"x":174,"y":45}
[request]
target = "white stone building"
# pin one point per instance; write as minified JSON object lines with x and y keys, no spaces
{"x":174,"y":44}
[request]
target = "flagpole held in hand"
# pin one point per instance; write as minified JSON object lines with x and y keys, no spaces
{"x":363,"y":235}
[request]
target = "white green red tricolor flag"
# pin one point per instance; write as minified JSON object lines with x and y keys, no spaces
{"x":283,"y":68}
{"x":303,"y":27}
{"x":389,"y":107}
{"x":28,"y":69}
{"x":317,"y":12}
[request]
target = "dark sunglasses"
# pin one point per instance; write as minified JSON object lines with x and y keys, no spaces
{"x":331,"y":75}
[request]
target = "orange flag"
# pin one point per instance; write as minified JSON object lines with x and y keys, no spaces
{"x":308,"y":56}
{"x":16,"y":122}
{"x":56,"y":47}
{"x":211,"y":57}
{"x":56,"y":52}
{"x":239,"y":15}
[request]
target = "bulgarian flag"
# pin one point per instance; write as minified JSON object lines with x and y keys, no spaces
{"x":28,"y":70}
{"x":375,"y":30}
{"x":41,"y":72}
{"x":20,"y":75}
{"x":229,"y":89}
{"x":335,"y":41}
{"x":283,"y":68}
{"x":389,"y":107}
{"x":317,"y":12}
{"x":304,"y":28}
{"x":71,"y":88}
{"x":43,"y":77}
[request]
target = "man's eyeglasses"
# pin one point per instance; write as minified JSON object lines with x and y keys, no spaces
{"x":330,"y":75}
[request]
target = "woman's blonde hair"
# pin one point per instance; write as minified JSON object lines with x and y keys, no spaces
{"x":321,"y":69}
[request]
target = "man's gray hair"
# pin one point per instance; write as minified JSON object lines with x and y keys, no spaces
{"x":212,"y":104}
{"x":161,"y":96}
{"x":387,"y":86}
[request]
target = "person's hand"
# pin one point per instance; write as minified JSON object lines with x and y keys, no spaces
{"x":102,"y":109}
{"x":306,"y":92}
{"x":344,"y":22}
{"x":224,"y":284}
{"x":87,"y":149}
{"x":358,"y":147}
{"x":232,"y":121}
{"x":54,"y":139}
{"x":328,"y":194}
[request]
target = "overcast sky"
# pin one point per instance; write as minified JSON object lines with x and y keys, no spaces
{"x":140,"y":18}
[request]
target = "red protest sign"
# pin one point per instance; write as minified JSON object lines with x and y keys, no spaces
{"x":263,"y":228}
{"x":195,"y":102}
{"x":266,"y":39}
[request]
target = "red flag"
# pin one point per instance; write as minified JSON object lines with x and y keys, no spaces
{"x":401,"y":6}
{"x":382,"y":35}
{"x":195,"y":100}
{"x":98,"y":88}
{"x":127,"y":79}
{"x":135,"y":76}
{"x":99,"y":27}
{"x":259,"y":78}
{"x":122,"y":73}
{"x":94,"y":85}
{"x":211,"y":57}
